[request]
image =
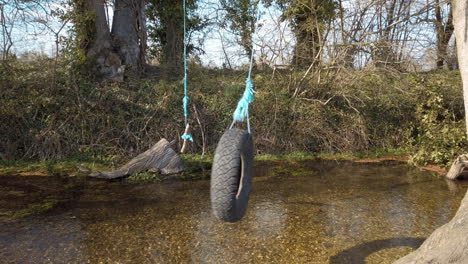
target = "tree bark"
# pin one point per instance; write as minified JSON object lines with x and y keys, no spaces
{"x":143,"y":32}
{"x":444,"y":33}
{"x":100,"y":48}
{"x":127,"y":28}
{"x":161,"y":157}
{"x":460,"y":21}
{"x":458,"y":167}
{"x":174,"y":43}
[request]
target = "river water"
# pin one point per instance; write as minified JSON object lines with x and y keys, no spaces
{"x":303,"y":212}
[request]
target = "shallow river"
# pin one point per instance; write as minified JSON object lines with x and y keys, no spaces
{"x":307,"y":212}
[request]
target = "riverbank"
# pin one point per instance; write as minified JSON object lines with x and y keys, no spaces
{"x":197,"y":166}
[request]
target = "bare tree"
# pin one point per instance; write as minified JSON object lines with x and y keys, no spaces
{"x":18,"y":15}
{"x":7,"y":22}
{"x":241,"y":18}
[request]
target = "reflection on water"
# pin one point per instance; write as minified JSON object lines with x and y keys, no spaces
{"x":314,"y":212}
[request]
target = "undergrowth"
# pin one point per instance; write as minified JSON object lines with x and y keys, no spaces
{"x":60,"y":115}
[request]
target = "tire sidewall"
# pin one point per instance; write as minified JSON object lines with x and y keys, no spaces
{"x":246,"y":156}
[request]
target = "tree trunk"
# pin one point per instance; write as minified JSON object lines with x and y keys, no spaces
{"x":444,"y":33}
{"x":126,"y":30}
{"x":307,"y":47}
{"x":161,"y":157}
{"x":143,"y":33}
{"x":309,"y":22}
{"x":100,"y":49}
{"x":174,"y":43}
{"x":460,"y":20}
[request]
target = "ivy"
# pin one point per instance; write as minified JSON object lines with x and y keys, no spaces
{"x":440,"y":136}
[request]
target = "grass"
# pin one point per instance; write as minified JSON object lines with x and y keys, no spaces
{"x":32,"y":209}
{"x":298,"y":156}
{"x":50,"y":168}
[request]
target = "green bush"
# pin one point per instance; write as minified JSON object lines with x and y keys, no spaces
{"x":440,"y":131}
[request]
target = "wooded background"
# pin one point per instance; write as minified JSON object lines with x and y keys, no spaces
{"x":408,"y":35}
{"x":104,"y":78}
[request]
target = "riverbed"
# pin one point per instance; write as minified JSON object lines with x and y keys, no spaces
{"x":299,"y":212}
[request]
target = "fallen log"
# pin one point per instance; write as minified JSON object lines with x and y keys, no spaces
{"x":160,"y":157}
{"x":458,"y":167}
{"x":448,"y":244}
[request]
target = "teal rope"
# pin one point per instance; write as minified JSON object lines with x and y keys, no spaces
{"x":242,"y":110}
{"x":185,"y":99}
{"x":187,"y":137}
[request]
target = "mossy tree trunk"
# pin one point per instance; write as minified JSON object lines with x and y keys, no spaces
{"x":98,"y":43}
{"x":112,"y":52}
{"x":444,"y":31}
{"x":174,"y":46}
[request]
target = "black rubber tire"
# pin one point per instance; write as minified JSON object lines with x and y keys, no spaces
{"x":231,"y":175}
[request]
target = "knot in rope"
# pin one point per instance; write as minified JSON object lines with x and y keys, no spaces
{"x":242,"y":110}
{"x":187,"y":137}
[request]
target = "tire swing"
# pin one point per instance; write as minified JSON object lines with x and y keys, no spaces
{"x":231,"y":174}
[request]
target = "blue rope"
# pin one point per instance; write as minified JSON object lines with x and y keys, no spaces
{"x":185,"y":99}
{"x":187,"y":137}
{"x":242,"y":110}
